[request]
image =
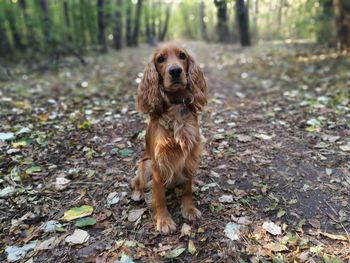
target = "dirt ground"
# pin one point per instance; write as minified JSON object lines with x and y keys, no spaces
{"x":274,"y":179}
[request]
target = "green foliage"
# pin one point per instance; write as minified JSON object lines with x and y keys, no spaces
{"x":72,"y":25}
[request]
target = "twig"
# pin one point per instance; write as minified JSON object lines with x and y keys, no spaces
{"x":74,"y":53}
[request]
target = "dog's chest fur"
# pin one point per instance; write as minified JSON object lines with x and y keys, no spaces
{"x":181,"y":125}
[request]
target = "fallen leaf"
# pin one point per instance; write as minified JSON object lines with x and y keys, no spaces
{"x":314,"y":223}
{"x":185,"y":230}
{"x":191,"y":247}
{"x":281,"y":213}
{"x":175,"y":252}
{"x":86,"y":221}
{"x":214,"y":174}
{"x":78,"y":212}
{"x":272,"y":228}
{"x":263,"y":136}
{"x":124,"y":259}
{"x":47,"y":244}
{"x":244,"y":138}
{"x":5,"y":136}
{"x":23,"y":131}
{"x":317,"y":249}
{"x":126,"y":152}
{"x":15,"y":253}
{"x":329,"y":171}
{"x":33,"y":170}
{"x":207,"y":186}
{"x":78,"y":237}
{"x":345,"y":148}
{"x":7,"y":191}
{"x":226,"y":199}
{"x":135,"y":214}
{"x":114,"y":197}
{"x":232,"y":230}
{"x":61,"y":182}
{"x":330,"y":138}
{"x":334,"y":237}
{"x":50,"y":226}
{"x":276,"y":247}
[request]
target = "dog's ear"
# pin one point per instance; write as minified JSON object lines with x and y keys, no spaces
{"x":197,"y":84}
{"x":148,"y":93}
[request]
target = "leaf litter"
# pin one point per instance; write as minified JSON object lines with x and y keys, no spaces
{"x":277,"y":137}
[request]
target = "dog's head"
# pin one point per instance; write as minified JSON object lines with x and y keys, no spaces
{"x":172,"y":71}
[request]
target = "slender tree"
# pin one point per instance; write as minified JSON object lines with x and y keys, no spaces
{"x":30,"y":33}
{"x":67,"y":20}
{"x":15,"y":30}
{"x":135,"y":37}
{"x":222,"y":26}
{"x":118,"y":30}
{"x":153,"y":25}
{"x":46,"y":25}
{"x":4,"y":42}
{"x":101,"y":25}
{"x":242,"y":17}
{"x":342,"y":14}
{"x":129,"y":34}
{"x":255,"y":18}
{"x":202,"y":21}
{"x":147,"y":24}
{"x":164,"y":30}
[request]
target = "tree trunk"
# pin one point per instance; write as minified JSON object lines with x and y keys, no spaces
{"x":128,"y":24}
{"x":153,"y":26}
{"x":46,"y":20}
{"x":4,"y":42}
{"x":30,"y":34}
{"x":16,"y":35}
{"x":222,"y":26}
{"x":326,"y":31}
{"x":135,"y":38}
{"x":255,"y":19}
{"x":166,"y":23}
{"x":342,"y":15}
{"x":118,"y":31}
{"x":242,"y":16}
{"x":67,"y":20}
{"x":101,"y":25}
{"x":147,"y":25}
{"x":203,"y":24}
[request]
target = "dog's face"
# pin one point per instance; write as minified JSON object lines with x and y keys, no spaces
{"x":172,"y":63}
{"x":172,"y":71}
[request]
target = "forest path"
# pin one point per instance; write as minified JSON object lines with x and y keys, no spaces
{"x":277,"y":149}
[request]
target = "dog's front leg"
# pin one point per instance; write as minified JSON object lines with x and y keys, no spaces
{"x":188,"y":209}
{"x":164,"y":223}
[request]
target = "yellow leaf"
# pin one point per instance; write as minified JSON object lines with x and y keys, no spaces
{"x":276,"y":247}
{"x":191,"y":248}
{"x":78,"y":212}
{"x":334,"y":237}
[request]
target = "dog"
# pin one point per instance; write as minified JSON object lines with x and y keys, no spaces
{"x":173,"y":91}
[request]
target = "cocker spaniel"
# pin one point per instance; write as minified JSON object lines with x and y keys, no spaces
{"x":172,"y":92}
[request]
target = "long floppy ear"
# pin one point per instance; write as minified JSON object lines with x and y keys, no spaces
{"x":197,"y":84}
{"x":148,"y":93}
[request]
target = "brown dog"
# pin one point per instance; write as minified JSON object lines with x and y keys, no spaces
{"x":173,"y":91}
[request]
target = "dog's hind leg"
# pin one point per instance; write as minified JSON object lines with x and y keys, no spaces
{"x":142,"y":179}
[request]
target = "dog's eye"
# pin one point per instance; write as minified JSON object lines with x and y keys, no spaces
{"x":182,"y":55}
{"x":161,"y":59}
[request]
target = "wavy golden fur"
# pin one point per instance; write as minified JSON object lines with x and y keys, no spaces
{"x":172,"y":91}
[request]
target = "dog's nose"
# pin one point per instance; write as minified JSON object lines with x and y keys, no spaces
{"x":175,"y":72}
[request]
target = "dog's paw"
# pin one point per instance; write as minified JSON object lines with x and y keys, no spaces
{"x":190,"y":212}
{"x":165,"y":225}
{"x":137,"y":195}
